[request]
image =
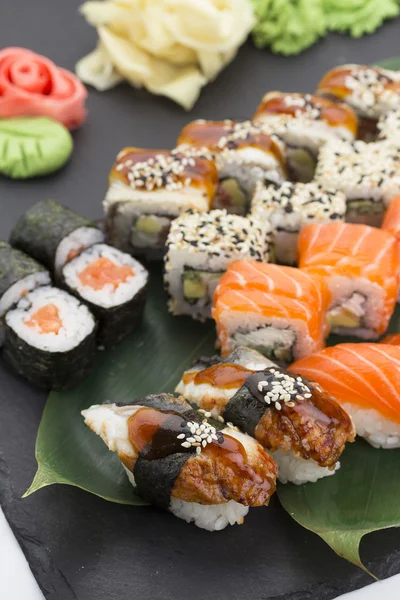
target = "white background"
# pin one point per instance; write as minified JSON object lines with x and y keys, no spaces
{"x":18,"y":583}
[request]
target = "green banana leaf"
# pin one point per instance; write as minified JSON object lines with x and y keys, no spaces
{"x":151,"y":360}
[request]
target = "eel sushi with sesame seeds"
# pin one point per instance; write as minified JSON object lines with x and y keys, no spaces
{"x":53,"y":234}
{"x":244,"y":155}
{"x":200,"y":246}
{"x":279,"y":311}
{"x":304,"y":123}
{"x":290,"y":207}
{"x":150,"y":188}
{"x":19,"y":274}
{"x":360,"y":265}
{"x":301,"y":425}
{"x":367,"y":173}
{"x":370,"y":91}
{"x":177,"y":460}
{"x":113,"y":285}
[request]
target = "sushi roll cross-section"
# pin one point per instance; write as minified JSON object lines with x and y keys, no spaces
{"x":113,"y":285}
{"x":200,"y":246}
{"x":279,"y":311}
{"x":244,"y":155}
{"x":298,"y":422}
{"x":370,"y":91}
{"x":50,"y":338}
{"x":19,"y":274}
{"x":53,"y":234}
{"x":304,"y":123}
{"x":367,"y":173}
{"x":150,"y":188}
{"x":179,"y":461}
{"x":360,"y":265}
{"x":290,"y":207}
{"x":365,"y":379}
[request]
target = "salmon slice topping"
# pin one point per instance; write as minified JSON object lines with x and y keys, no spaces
{"x":46,"y":319}
{"x":102,"y":272}
{"x":73,"y":253}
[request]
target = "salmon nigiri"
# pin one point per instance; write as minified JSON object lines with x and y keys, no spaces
{"x":276,"y":310}
{"x":365,"y":379}
{"x":360,"y":265}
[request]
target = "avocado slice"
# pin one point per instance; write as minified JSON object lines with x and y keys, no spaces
{"x":149,"y":224}
{"x":229,"y":195}
{"x":365,"y":207}
{"x":301,"y":164}
{"x":343,"y":318}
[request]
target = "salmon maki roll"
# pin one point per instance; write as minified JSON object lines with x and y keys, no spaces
{"x":178,"y":461}
{"x":279,"y":311}
{"x":244,"y":154}
{"x":391,"y":220}
{"x":304,"y":123}
{"x":392,"y":339}
{"x":299,"y":423}
{"x":365,"y":379}
{"x":360,"y":265}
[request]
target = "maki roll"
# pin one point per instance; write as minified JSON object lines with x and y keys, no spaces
{"x":113,"y":285}
{"x":299,"y":423}
{"x":244,"y":155}
{"x":365,"y":379}
{"x":53,"y":234}
{"x":50,"y":338}
{"x":389,"y":127}
{"x":370,"y":91}
{"x":360,"y":265}
{"x":367,"y":173}
{"x":291,"y":206}
{"x":19,"y":274}
{"x":180,"y":462}
{"x":279,"y":311}
{"x":148,"y":189}
{"x":304,"y":123}
{"x":200,"y":246}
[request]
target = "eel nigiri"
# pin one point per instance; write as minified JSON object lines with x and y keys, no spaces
{"x":299,"y":423}
{"x":365,"y":379}
{"x":277,"y":310}
{"x":178,"y":461}
{"x":360,"y":265}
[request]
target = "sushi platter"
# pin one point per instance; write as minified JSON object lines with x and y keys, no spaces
{"x":200,"y":344}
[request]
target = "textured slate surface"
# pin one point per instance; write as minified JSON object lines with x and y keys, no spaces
{"x":79,"y":546}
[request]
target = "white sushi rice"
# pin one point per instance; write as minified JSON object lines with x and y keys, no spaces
{"x":293,"y":469}
{"x":21,"y":287}
{"x":211,"y":517}
{"x":109,"y":295}
{"x":77,"y":321}
{"x":377,"y":430}
{"x":78,"y":240}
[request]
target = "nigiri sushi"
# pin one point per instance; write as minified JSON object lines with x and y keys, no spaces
{"x":277,"y":310}
{"x":365,"y":379}
{"x":304,"y":123}
{"x":300,"y":424}
{"x":360,"y":265}
{"x":244,"y":154}
{"x":180,"y":462}
{"x":370,"y":91}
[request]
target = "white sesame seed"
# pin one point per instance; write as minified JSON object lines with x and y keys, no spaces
{"x":198,"y":450}
{"x":181,"y":436}
{"x":186,"y":444}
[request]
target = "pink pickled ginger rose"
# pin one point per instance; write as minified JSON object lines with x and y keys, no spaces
{"x":32,"y":85}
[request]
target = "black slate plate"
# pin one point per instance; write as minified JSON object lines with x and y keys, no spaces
{"x":81,"y":547}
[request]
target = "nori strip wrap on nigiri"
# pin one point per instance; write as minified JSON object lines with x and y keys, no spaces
{"x":156,"y":478}
{"x":15,"y":266}
{"x":43,"y":227}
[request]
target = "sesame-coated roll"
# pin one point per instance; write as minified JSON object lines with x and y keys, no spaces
{"x":360,"y":265}
{"x":279,"y":311}
{"x":389,"y":127}
{"x":291,"y":206}
{"x":304,"y":123}
{"x":179,"y":461}
{"x":299,"y":423}
{"x":367,"y":173}
{"x":244,"y":155}
{"x":200,"y":246}
{"x":149,"y":188}
{"x":370,"y":91}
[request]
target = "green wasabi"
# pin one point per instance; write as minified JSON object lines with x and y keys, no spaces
{"x":359,"y":17}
